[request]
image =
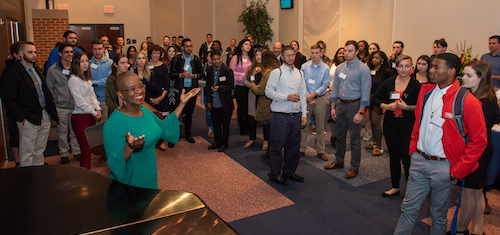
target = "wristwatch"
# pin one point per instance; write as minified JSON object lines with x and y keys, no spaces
{"x":360,"y":112}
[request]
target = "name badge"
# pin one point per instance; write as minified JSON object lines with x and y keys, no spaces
{"x":186,"y":67}
{"x":373,"y":72}
{"x":393,"y":65}
{"x":222,"y":79}
{"x":151,"y":67}
{"x":394,"y":96}
{"x":437,"y":120}
{"x":245,"y":60}
{"x":94,"y":66}
{"x":311,"y":81}
{"x":188,"y":82}
{"x":252,"y":78}
{"x":342,"y":75}
{"x":65,"y":72}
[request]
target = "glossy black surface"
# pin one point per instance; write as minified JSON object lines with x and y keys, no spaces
{"x":71,"y":200}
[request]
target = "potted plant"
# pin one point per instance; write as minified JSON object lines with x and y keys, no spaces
{"x":257,"y":22}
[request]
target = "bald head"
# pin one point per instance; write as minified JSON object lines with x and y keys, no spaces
{"x":123,"y":78}
{"x":277,"y":47}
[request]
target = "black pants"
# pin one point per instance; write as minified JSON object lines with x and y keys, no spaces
{"x":284,"y":144}
{"x":397,"y":137}
{"x":221,"y":121}
{"x":241,"y":94}
{"x":188,"y":111}
{"x":251,"y":127}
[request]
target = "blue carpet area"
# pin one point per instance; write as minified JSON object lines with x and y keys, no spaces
{"x":324,"y":203}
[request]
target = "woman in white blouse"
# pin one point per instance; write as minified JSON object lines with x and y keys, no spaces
{"x":87,"y":110}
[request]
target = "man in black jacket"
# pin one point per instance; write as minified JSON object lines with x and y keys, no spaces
{"x":186,"y":71}
{"x":205,"y":48}
{"x":13,"y":131}
{"x":220,"y":83}
{"x":28,"y":100}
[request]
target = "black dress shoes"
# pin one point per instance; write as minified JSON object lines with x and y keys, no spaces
{"x":297,"y":178}
{"x":281,"y":181}
{"x":190,"y":139}
{"x":222,"y":148}
{"x":170,"y":145}
{"x":213,"y":146}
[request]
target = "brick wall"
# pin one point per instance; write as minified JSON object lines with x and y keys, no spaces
{"x":47,"y":31}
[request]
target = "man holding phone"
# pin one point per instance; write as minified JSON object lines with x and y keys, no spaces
{"x":220,"y":83}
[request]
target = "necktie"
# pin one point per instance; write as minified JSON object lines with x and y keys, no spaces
{"x":38,"y":87}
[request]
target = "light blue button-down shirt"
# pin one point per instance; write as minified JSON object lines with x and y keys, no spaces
{"x":316,"y":77}
{"x":100,"y":75}
{"x":356,"y":84}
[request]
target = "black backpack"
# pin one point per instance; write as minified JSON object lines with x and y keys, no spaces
{"x":458,"y":111}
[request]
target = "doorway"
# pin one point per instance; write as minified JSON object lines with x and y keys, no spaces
{"x":88,"y":32}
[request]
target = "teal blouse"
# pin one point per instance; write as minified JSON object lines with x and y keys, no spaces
{"x":140,"y":170}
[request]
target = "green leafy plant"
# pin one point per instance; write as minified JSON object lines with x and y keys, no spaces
{"x":257,"y":22}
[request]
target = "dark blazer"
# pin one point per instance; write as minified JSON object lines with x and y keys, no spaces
{"x":178,"y":68}
{"x":21,"y":99}
{"x":299,"y":60}
{"x":225,"y":87}
{"x":409,"y":96}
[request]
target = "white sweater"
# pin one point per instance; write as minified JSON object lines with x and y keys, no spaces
{"x":83,"y":95}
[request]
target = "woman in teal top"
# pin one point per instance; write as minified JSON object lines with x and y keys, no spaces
{"x":131,"y":134}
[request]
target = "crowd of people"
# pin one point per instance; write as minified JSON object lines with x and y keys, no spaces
{"x":436,"y":127}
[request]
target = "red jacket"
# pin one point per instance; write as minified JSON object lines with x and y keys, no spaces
{"x":463,"y":158}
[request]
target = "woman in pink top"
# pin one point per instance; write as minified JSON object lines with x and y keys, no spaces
{"x":239,"y":63}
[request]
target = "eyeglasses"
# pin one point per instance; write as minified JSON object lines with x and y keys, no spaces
{"x":289,"y":55}
{"x":134,"y":89}
{"x":67,"y":52}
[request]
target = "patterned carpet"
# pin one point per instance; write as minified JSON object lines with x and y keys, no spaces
{"x":229,"y":189}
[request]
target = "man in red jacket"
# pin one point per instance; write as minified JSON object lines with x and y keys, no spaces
{"x":439,"y":154}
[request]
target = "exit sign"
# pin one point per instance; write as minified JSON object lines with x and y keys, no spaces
{"x":109,"y":9}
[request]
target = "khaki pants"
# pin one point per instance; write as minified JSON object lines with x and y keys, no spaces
{"x":63,"y":129}
{"x":319,"y":112}
{"x":33,"y":141}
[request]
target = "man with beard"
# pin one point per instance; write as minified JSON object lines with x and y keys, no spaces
{"x":54,"y":57}
{"x":28,"y":100}
{"x":287,"y":89}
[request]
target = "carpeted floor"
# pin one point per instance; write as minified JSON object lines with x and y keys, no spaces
{"x":326,"y":203}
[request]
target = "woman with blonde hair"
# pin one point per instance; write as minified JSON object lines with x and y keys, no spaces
{"x":141,"y":68}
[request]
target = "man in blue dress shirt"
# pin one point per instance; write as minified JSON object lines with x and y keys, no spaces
{"x":317,"y":75}
{"x":493,"y":59}
{"x":349,"y":100}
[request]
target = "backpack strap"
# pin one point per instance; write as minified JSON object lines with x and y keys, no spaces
{"x":458,"y":111}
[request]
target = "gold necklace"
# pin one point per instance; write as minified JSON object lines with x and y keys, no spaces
{"x":432,"y":104}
